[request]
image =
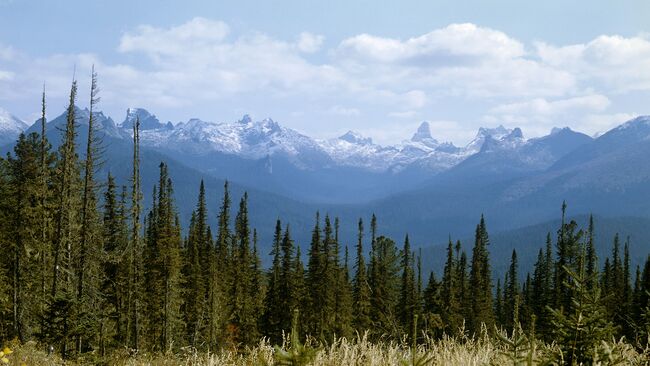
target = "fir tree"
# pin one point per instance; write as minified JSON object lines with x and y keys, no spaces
{"x":135,"y":251}
{"x":68,"y":190}
{"x":407,"y":301}
{"x":480,"y":283}
{"x":511,"y":294}
{"x":273,"y":315}
{"x":361,"y":294}
{"x":90,"y":247}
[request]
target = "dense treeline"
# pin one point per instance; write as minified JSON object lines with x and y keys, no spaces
{"x":84,"y":269}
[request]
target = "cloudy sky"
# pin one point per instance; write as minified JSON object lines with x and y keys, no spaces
{"x":324,"y":67}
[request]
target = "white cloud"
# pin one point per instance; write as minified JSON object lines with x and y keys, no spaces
{"x":538,"y":115}
{"x":594,"y":124}
{"x":309,"y":42}
{"x":543,"y":107}
{"x":458,"y":60}
{"x":484,"y":74}
{"x":197,"y":33}
{"x":444,"y":46}
{"x":613,"y":63}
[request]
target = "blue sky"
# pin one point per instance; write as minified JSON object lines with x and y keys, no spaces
{"x":324,"y":67}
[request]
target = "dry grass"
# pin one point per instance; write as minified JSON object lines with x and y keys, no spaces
{"x":447,"y":351}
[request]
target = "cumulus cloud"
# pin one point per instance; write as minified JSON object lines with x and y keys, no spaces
{"x":541,"y":106}
{"x":309,"y":42}
{"x":616,"y":63}
{"x":583,"y":113}
{"x":460,"y":59}
{"x":488,"y":75}
{"x":197,"y":33}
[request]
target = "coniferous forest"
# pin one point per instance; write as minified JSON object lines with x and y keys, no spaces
{"x":88,"y":274}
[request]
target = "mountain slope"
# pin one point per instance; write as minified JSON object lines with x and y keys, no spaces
{"x":10,"y":127}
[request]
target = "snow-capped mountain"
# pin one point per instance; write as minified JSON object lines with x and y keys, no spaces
{"x":10,"y":127}
{"x":267,"y":139}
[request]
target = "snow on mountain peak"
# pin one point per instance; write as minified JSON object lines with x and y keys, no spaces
{"x":355,"y":138}
{"x":10,"y":126}
{"x":148,"y":121}
{"x":423,"y":133}
{"x":492,"y":135}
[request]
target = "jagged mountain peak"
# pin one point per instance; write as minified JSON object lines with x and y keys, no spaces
{"x":246,"y":119}
{"x":423,"y":135}
{"x":148,"y":121}
{"x":354,"y":137}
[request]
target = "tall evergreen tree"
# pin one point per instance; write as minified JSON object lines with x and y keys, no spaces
{"x":385,"y":291}
{"x":361,"y":293}
{"x":511,"y":294}
{"x":135,"y":252}
{"x":407,"y":300}
{"x":115,"y":243}
{"x":66,"y":236}
{"x":90,"y":247}
{"x":274,"y":310}
{"x":163,"y":269}
{"x":480,"y":283}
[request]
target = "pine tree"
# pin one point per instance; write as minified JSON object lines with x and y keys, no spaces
{"x":480,"y":283}
{"x":45,"y":203}
{"x":342,"y":290}
{"x":498,"y":306}
{"x":197,"y":275}
{"x":135,"y":251}
{"x":385,"y":292}
{"x":592,"y":259}
{"x":407,"y":301}
{"x":568,"y":244}
{"x":163,"y":269}
{"x":511,"y":294}
{"x":449,"y":293}
{"x":274,"y":310}
{"x":316,"y":283}
{"x":361,"y":294}
{"x":115,"y":242}
{"x":244,"y":318}
{"x":68,"y":189}
{"x":432,"y":306}
{"x":221,"y":275}
{"x":23,"y":235}
{"x":90,"y":246}
{"x":580,"y":330}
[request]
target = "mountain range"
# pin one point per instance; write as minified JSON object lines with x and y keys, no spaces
{"x":430,"y":189}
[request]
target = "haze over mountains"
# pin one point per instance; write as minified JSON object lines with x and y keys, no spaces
{"x":429,"y":188}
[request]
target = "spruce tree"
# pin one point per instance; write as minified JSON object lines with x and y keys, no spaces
{"x":114,"y":281}
{"x":407,"y":300}
{"x":361,"y":293}
{"x":385,"y":293}
{"x":134,"y":263}
{"x":480,"y":283}
{"x":90,"y":247}
{"x":66,"y":236}
{"x":273,"y":314}
{"x":449,"y":293}
{"x":163,"y":269}
{"x":511,"y":294}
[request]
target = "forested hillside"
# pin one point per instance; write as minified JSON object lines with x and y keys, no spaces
{"x":87,"y":270}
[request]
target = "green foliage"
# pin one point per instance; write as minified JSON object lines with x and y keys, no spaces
{"x":298,"y":354}
{"x":580,"y":329}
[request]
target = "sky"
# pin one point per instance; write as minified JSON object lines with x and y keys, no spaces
{"x":325,"y":67}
